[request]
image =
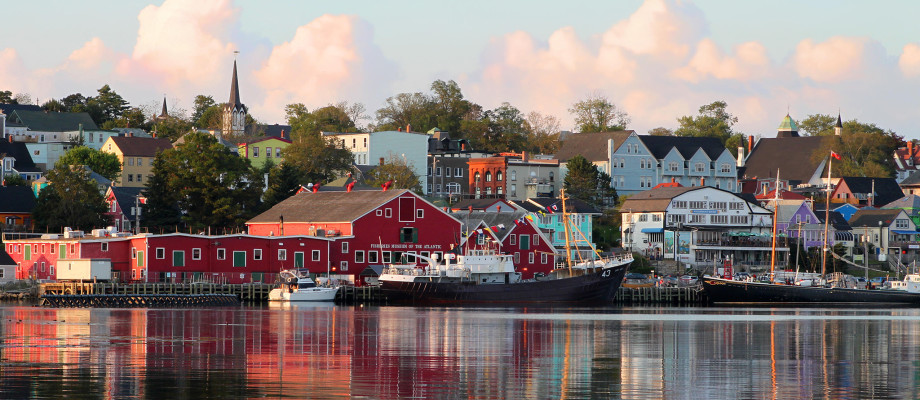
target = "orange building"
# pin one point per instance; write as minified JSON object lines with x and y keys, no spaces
{"x":487,"y":177}
{"x":16,"y":204}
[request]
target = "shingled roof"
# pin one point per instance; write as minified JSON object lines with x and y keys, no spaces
{"x":871,"y":218}
{"x":45,"y":121}
{"x":20,"y":152}
{"x":326,"y":206}
{"x":660,"y":146}
{"x":791,"y":155}
{"x":141,"y":147}
{"x":886,"y":189}
{"x":10,"y":108}
{"x":16,"y":199}
{"x":592,"y":146}
{"x":654,"y":199}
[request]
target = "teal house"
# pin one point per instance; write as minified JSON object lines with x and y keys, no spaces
{"x":547,"y":214}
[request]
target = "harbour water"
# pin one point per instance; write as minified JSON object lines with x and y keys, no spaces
{"x":326,"y":351}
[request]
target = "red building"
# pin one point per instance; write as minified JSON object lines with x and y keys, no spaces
{"x":519,"y":236}
{"x":370,"y":227}
{"x":487,"y":177}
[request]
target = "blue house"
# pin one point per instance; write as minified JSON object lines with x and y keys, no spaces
{"x":643,"y":161}
{"x":580,"y":216}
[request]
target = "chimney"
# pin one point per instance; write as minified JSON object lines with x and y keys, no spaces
{"x":750,"y":144}
{"x":154,"y":134}
{"x":524,"y":156}
{"x":740,"y":156}
{"x":399,"y":129}
{"x":408,"y":127}
{"x":703,"y":181}
{"x":462,"y":146}
{"x":381,"y":160}
{"x":130,"y":134}
{"x":672,"y":179}
{"x":282,"y":133}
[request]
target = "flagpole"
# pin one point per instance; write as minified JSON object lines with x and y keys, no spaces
{"x":775,"y":217}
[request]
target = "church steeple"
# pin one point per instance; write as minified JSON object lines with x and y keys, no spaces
{"x":234,"y":118}
{"x":163,"y":114}
{"x":787,"y":128}
{"x":838,"y":129}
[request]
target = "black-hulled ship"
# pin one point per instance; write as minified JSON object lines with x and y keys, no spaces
{"x":725,"y":291}
{"x":487,"y":277}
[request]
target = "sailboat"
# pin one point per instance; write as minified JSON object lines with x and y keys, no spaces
{"x":818,"y":290}
{"x":486,"y":276}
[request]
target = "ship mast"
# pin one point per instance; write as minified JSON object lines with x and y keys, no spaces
{"x":565,"y":224}
{"x":775,"y":217}
{"x":827,"y":215}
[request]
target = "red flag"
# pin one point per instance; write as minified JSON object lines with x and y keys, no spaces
{"x":349,"y":186}
{"x":386,"y":185}
{"x":316,"y":187}
{"x":835,"y":155}
{"x":550,"y":209}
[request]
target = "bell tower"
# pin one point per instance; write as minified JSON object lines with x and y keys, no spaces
{"x":233,"y":121}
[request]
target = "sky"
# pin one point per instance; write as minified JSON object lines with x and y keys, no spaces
{"x":656,"y":59}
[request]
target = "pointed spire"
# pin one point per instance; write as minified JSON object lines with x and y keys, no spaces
{"x":838,"y":129}
{"x":164,"y":114}
{"x":234,"y":89}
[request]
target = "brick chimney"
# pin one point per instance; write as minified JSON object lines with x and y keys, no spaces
{"x":282,"y":133}
{"x":408,"y":127}
{"x":750,"y":144}
{"x":524,"y":157}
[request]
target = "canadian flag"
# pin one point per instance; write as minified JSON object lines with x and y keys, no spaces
{"x":386,"y":185}
{"x":350,"y":186}
{"x":835,"y":155}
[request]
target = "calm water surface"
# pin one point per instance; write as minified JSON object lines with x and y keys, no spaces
{"x":449,"y":353}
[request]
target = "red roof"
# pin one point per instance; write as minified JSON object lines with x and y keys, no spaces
{"x":667,"y":184}
{"x":783,"y":195}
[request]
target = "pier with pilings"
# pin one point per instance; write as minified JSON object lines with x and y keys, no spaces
{"x":139,"y":300}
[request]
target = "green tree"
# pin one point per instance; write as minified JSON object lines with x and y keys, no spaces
{"x":6,"y":97}
{"x":283,"y":181}
{"x":542,"y":133}
{"x":331,"y":118}
{"x":596,"y":113}
{"x":404,"y":109}
{"x":105,"y":164}
{"x":54,"y":106}
{"x":817,"y":124}
{"x":15,"y":180}
{"x":106,"y":105}
{"x":210,"y":118}
{"x":202,"y":104}
{"x":864,"y":149}
{"x":212,"y":186}
{"x":449,"y":106}
{"x":171,"y":128}
{"x":74,"y":103}
{"x":317,"y":158}
{"x":397,"y":170}
{"x":712,"y":121}
{"x":661,"y":131}
{"x":585,"y":182}
{"x":71,"y":200}
{"x":161,"y":211}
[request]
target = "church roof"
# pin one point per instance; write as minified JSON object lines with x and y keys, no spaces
{"x":788,"y":124}
{"x":234,"y":90}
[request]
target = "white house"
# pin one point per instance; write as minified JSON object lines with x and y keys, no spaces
{"x":374,"y":148}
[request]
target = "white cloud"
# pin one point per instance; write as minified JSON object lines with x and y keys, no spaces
{"x":331,"y":58}
{"x":909,"y":61}
{"x":749,"y":62}
{"x":837,"y":59}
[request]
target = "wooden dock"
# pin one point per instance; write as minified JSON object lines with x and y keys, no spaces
{"x":678,"y":296}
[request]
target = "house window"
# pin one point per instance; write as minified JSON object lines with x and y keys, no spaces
{"x":268,"y":152}
{"x":239,"y":259}
{"x":513,"y":175}
{"x":387,"y":257}
{"x":726,"y":168}
{"x":642,"y":163}
{"x":488,"y":176}
{"x":672,"y":166}
{"x":140,"y":162}
{"x":130,"y":161}
{"x":379,"y":213}
{"x":513,"y":190}
{"x":315,"y":255}
{"x":343,"y":265}
{"x":498,"y":176}
{"x":130,"y":178}
{"x":517,"y":258}
{"x":196,"y":254}
{"x":458,"y":173}
{"x":536,"y":240}
{"x":408,"y":235}
{"x":282,"y":254}
{"x":552,"y":176}
{"x":221,"y":254}
{"x":480,"y":239}
{"x":104,"y":247}
{"x":530,"y":258}
{"x":476,"y":177}
{"x":388,"y":213}
{"x":447,"y":171}
{"x":525,"y":242}
{"x":499,"y":189}
{"x":437,"y":171}
{"x":255,"y":152}
{"x":257,"y":254}
{"x":277,"y":152}
{"x":543,"y":258}
{"x":699,"y":167}
{"x":345,"y":246}
{"x":420,"y":213}
{"x":133,"y":253}
{"x":178,"y":258}
{"x":359,"y":256}
{"x":372,"y":257}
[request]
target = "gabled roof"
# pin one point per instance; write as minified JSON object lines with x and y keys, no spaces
{"x":912,"y":179}
{"x":125,"y":196}
{"x":10,"y":108}
{"x":46,"y":121}
{"x":653,"y":199}
{"x":886,"y":189}
{"x":274,"y":130}
{"x":785,"y":212}
{"x":141,"y":147}
{"x":323,"y":206}
{"x":20,"y":152}
{"x":909,"y":202}
{"x":871,"y":218}
{"x":792,"y":156}
{"x":16,"y":199}
{"x":837,"y":221}
{"x":5,"y":259}
{"x":257,"y":139}
{"x":660,"y":146}
{"x":591,"y":146}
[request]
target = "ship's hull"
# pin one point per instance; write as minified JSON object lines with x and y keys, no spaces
{"x":594,"y":287}
{"x":728,"y":291}
{"x":311,"y":294}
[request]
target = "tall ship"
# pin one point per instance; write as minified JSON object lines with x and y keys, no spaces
{"x":486,"y":276}
{"x":815,"y":288}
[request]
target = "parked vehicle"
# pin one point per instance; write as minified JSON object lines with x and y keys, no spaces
{"x":671,"y":280}
{"x":689,"y":280}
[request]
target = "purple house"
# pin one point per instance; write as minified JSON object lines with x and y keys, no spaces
{"x":797,"y":221}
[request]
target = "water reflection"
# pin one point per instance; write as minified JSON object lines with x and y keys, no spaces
{"x":325,"y":351}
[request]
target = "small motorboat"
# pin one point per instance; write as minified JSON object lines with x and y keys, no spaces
{"x":297,"y":286}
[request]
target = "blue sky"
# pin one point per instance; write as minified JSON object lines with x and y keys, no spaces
{"x":657,"y":59}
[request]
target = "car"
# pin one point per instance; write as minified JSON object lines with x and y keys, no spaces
{"x":671,"y":280}
{"x":878,"y":280}
{"x":689,"y":280}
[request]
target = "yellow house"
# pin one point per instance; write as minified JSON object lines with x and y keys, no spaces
{"x":264,"y":148}
{"x":136,"y":155}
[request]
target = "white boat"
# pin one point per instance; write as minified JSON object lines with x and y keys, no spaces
{"x":296,"y":286}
